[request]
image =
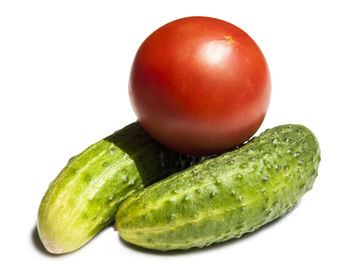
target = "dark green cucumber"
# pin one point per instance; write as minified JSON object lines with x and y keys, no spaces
{"x":224,"y":197}
{"x":85,"y":196}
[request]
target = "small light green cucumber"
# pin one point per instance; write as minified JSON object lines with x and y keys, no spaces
{"x":85,"y":196}
{"x":226,"y":196}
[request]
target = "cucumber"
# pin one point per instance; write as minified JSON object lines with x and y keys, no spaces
{"x":226,"y":196}
{"x":85,"y":195}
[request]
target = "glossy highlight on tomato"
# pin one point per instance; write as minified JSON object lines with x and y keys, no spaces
{"x":200,"y":85}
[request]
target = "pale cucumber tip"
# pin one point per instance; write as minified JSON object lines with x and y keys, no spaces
{"x":52,"y":247}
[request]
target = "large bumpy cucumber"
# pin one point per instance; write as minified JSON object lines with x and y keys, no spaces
{"x":224,"y":197}
{"x":84,"y":197}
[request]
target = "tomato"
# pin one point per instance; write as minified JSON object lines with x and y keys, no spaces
{"x":200,"y":85}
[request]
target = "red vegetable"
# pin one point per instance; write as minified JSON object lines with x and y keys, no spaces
{"x":200,"y":85}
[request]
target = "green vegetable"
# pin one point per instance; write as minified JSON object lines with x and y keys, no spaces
{"x":85,"y":196}
{"x":224,"y":197}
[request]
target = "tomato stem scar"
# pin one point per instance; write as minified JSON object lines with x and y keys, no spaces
{"x":229,"y":39}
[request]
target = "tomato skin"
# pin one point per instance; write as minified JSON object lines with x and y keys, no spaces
{"x":200,"y":85}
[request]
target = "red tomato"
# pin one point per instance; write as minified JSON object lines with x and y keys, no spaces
{"x":200,"y":85}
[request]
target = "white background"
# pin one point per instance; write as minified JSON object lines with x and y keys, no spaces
{"x":64,"y":68}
